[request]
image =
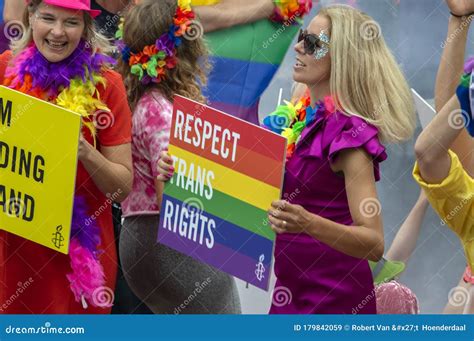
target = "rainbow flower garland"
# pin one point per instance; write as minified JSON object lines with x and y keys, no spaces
{"x":70,"y":84}
{"x":289,"y":120}
{"x":150,"y":64}
{"x":289,"y":10}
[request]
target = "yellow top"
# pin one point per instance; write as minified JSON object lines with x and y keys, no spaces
{"x":453,"y":200}
{"x":204,"y":2}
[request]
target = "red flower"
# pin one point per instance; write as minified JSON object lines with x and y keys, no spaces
{"x":138,"y":58}
{"x":171,"y":62}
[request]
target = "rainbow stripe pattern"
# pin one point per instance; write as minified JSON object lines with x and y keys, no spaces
{"x":244,"y":59}
{"x":215,"y":208}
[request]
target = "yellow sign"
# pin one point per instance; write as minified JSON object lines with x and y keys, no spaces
{"x":38,"y":160}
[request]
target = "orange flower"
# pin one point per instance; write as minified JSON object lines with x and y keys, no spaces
{"x":138,"y":58}
{"x":150,"y":50}
{"x":181,"y":30}
{"x":289,"y":150}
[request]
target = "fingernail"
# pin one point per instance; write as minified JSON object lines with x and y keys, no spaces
{"x":170,"y":175}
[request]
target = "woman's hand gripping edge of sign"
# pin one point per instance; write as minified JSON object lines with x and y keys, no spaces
{"x":165,"y":167}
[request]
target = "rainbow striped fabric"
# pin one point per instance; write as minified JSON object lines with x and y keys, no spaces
{"x":245,"y":58}
{"x":227,"y":173}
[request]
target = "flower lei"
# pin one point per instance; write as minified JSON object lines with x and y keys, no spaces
{"x":289,"y":120}
{"x":150,"y":64}
{"x":70,"y":84}
{"x":288,"y":10}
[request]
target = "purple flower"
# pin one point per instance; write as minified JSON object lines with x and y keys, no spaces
{"x":165,"y":43}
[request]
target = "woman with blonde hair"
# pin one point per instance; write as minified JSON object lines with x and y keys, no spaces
{"x":357,"y":98}
{"x":60,"y":60}
{"x":164,"y":279}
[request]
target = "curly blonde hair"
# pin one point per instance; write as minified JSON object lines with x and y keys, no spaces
{"x":144,"y":24}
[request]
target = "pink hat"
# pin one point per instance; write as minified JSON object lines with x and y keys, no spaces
{"x":83,"y":5}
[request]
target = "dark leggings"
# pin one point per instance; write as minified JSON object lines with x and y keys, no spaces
{"x":169,"y":282}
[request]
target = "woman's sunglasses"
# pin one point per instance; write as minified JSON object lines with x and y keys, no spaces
{"x":318,"y":46}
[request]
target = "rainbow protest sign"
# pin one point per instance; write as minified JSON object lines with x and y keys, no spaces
{"x":227,"y":173}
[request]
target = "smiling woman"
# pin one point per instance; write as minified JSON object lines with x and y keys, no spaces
{"x":328,"y":232}
{"x":60,"y":60}
{"x":56,"y":36}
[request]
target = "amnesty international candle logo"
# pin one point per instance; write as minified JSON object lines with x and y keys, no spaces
{"x":227,"y":174}
{"x":38,"y":159}
{"x":58,"y":239}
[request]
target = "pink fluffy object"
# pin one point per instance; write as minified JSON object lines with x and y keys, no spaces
{"x":87,"y":274}
{"x":395,"y":298}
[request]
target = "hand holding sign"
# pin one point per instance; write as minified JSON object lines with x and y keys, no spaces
{"x":165,"y":167}
{"x":285,"y":217}
{"x":85,"y":148}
